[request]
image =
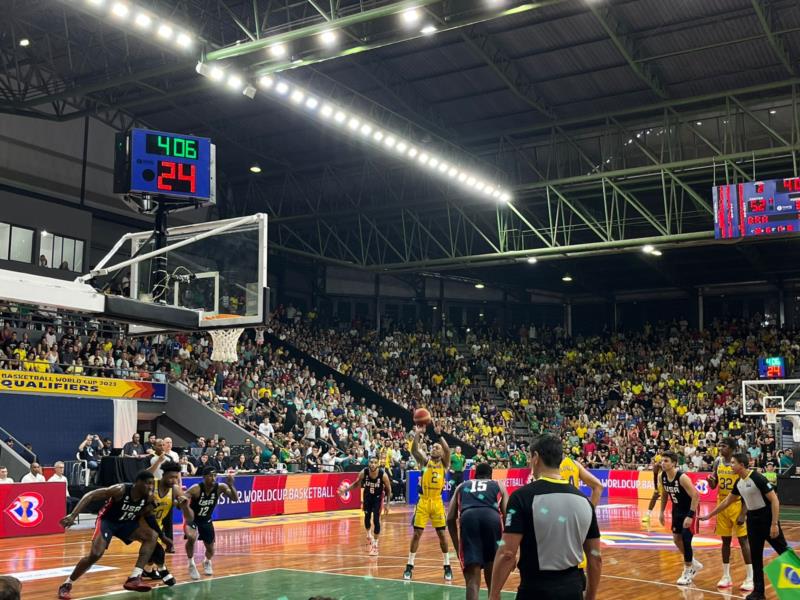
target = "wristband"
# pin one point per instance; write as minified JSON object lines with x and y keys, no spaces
{"x":691,"y":514}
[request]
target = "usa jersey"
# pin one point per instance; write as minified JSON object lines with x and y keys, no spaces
{"x":125,"y":509}
{"x":681,"y":500}
{"x":479,"y":493}
{"x":373,"y":488}
{"x":203,"y":506}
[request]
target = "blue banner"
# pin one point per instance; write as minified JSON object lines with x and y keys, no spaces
{"x":225,"y":508}
{"x":602,"y":475}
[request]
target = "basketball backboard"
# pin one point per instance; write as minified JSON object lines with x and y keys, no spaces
{"x":781,"y":394}
{"x":214,"y":271}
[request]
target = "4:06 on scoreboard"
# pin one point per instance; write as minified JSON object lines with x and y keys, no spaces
{"x":758,"y":208}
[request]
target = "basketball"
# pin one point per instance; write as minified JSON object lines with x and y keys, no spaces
{"x":422,"y":417}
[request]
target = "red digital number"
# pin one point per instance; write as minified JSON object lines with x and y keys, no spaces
{"x":792,"y":184}
{"x":191,"y":176}
{"x":167,"y":174}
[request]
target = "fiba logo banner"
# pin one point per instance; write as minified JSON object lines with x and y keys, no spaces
{"x":702,"y":487}
{"x":346,"y":496}
{"x":26,"y":509}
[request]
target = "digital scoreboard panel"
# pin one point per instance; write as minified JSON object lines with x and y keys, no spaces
{"x":772,"y":367}
{"x":166,"y":165}
{"x":757,"y":209}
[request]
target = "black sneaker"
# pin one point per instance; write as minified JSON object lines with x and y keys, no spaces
{"x":154,"y":574}
{"x":64,"y":591}
{"x":408,"y":573}
{"x":755,"y":596}
{"x":448,"y":573}
{"x":167,"y":577}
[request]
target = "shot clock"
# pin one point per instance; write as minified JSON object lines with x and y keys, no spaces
{"x":165,"y":167}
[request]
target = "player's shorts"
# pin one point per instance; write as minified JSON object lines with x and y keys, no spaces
{"x":122,"y":530}
{"x":727,"y":525}
{"x":205,"y":531}
{"x":430,"y":509}
{"x":677,"y":523}
{"x":480,"y":531}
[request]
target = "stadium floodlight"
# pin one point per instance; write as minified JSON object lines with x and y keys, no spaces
{"x":410,"y":16}
{"x":95,"y":3}
{"x":143,"y":20}
{"x":566,"y":278}
{"x":656,"y":253}
{"x":648,"y":248}
{"x":165,"y":31}
{"x":388,"y":140}
{"x":532,"y":260}
{"x":183,"y":40}
{"x":479,"y":286}
{"x":277,"y":50}
{"x":428,"y":30}
{"x":328,"y":37}
{"x":120,"y":10}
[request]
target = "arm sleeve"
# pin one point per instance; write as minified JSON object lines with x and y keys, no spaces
{"x":515,"y":515}
{"x":735,"y":491}
{"x":594,"y":531}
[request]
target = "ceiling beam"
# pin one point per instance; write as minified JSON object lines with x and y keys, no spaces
{"x":764,"y":14}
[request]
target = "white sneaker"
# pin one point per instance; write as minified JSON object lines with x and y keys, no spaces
{"x":207,"y":567}
{"x":696,"y":566}
{"x":193,"y":572}
{"x":373,"y":550}
{"x":747,"y":585}
{"x":686,"y":577}
{"x":725,"y":582}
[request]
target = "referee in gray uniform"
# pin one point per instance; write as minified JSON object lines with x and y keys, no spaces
{"x":763,"y":512}
{"x":552,"y":525}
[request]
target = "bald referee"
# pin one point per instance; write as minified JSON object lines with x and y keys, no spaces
{"x":551,"y":524}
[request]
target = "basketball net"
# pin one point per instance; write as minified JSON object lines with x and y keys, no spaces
{"x":225,"y":344}
{"x":771,"y":415}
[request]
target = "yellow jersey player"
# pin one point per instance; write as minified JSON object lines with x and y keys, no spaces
{"x":731,"y":520}
{"x":430,"y":506}
{"x":166,"y":494}
{"x":656,"y":488}
{"x":573,"y":473}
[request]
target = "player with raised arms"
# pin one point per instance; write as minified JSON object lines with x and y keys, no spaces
{"x":732,"y":519}
{"x":203,"y":498}
{"x":123,"y":517}
{"x":376,"y":484}
{"x":432,"y":480}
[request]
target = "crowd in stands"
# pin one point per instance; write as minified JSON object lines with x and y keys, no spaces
{"x":616,"y":400}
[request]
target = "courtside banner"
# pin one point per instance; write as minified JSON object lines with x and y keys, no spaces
{"x":78,"y":385}
{"x":31,"y":508}
{"x":267,"y":495}
{"x":639,"y":485}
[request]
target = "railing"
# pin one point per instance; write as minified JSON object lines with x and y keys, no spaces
{"x":39,"y":319}
{"x":85,"y":370}
{"x":18,"y":447}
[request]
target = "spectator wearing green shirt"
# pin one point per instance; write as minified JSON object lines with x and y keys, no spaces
{"x":518,"y":459}
{"x":457,"y":461}
{"x":770,"y":474}
{"x":786,"y":461}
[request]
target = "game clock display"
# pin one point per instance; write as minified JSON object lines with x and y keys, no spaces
{"x":758,"y":208}
{"x":166,"y":165}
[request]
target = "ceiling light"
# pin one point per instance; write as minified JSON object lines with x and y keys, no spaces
{"x":44,"y":233}
{"x":567,"y":277}
{"x":698,"y":123}
{"x":366,"y":129}
{"x":143,"y":20}
{"x":412,"y":152}
{"x":165,"y":31}
{"x":433,"y":162}
{"x":656,"y":253}
{"x":340,"y":116}
{"x":390,"y":141}
{"x":480,"y":186}
{"x":120,"y":10}
{"x":505,"y":197}
{"x":277,"y":50}
{"x":648,"y":248}
{"x":312,"y":103}
{"x":378,"y":136}
{"x":489,"y":190}
{"x":95,"y":2}
{"x":452,"y":172}
{"x":216,"y":74}
{"x":424,"y":158}
{"x":266,"y":82}
{"x":282,"y":88}
{"x":256,"y":168}
{"x":326,"y":111}
{"x":532,"y":260}
{"x":497,"y":194}
{"x":428,"y":30}
{"x":443,"y":167}
{"x":234,"y":82}
{"x":353,"y":123}
{"x":184,"y":41}
{"x":24,"y":42}
{"x":471,"y":181}
{"x":328,"y":37}
{"x":772,"y":112}
{"x":401,"y":147}
{"x":297,"y":96}
{"x":479,"y":286}
{"x":462,"y":177}
{"x":410,"y":16}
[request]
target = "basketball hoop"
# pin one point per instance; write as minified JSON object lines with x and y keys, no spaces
{"x":772,"y":415}
{"x":225,"y":341}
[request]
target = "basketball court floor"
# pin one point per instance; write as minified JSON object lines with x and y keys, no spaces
{"x":296,"y":557}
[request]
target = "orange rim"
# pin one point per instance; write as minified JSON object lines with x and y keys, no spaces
{"x":222,"y":316}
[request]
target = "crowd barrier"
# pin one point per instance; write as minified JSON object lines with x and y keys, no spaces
{"x":617,"y":484}
{"x":266,"y":495}
{"x":31,"y":509}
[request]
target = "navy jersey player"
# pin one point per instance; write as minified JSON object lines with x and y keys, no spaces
{"x":681,"y":491}
{"x":203,"y":498}
{"x":475,"y":525}
{"x":376,"y":484}
{"x":123,"y":516}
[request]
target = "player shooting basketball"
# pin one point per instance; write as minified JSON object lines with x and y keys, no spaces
{"x":430,"y":506}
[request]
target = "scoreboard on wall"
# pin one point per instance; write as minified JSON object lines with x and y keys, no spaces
{"x":165,"y":166}
{"x":758,"y":208}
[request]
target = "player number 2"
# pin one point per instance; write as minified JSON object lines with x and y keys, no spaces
{"x":477,"y":486}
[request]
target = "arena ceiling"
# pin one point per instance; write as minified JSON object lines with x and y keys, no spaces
{"x":609,"y":122}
